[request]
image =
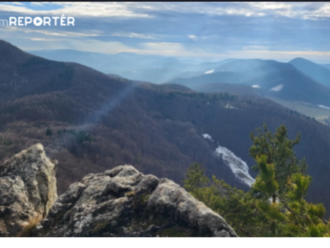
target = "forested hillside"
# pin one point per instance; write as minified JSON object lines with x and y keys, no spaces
{"x":90,"y":122}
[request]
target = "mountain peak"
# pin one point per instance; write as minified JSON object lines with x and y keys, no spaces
{"x":4,"y":42}
{"x":9,"y":52}
{"x":313,"y":70}
{"x":300,"y":59}
{"x":4,"y":45}
{"x":7,"y":45}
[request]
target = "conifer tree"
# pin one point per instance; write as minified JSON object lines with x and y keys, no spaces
{"x":275,"y":205}
{"x":291,"y":215}
{"x":278,"y":151}
{"x":281,"y":186}
{"x":195,"y":179}
{"x":236,"y":206}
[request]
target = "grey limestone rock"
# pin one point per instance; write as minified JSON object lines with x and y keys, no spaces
{"x":27,"y":189}
{"x":123,"y":202}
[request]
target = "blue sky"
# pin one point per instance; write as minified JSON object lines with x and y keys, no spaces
{"x":195,"y":30}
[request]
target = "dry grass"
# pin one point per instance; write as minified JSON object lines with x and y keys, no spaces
{"x":130,"y":193}
{"x":29,"y":226}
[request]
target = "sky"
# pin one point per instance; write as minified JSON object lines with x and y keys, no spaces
{"x":205,"y":31}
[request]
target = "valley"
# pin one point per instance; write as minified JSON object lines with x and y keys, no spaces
{"x":312,"y":111}
{"x":165,"y":119}
{"x":91,"y":122}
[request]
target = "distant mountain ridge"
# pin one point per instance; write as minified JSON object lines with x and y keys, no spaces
{"x":327,"y":66}
{"x":313,"y":70}
{"x":151,"y":68}
{"x":91,"y":122}
{"x":267,"y":77}
{"x":160,"y":69}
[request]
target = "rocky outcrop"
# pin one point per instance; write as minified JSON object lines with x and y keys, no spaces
{"x":27,"y":190}
{"x":123,"y":202}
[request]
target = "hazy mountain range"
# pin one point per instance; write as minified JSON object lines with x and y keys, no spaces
{"x":151,"y":68}
{"x":91,"y":121}
{"x":267,"y":78}
{"x":327,"y":66}
{"x":298,"y":80}
{"x":313,"y":70}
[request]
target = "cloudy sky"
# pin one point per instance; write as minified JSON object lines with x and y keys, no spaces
{"x":196,"y":30}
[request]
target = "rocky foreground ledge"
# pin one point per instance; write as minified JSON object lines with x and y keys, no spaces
{"x":121,"y":202}
{"x":27,"y":190}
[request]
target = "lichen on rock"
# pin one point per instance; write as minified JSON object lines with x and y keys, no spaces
{"x":124,"y":202}
{"x":121,"y":202}
{"x":27,"y":189}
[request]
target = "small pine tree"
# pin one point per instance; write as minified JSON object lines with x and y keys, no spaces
{"x":291,"y":215}
{"x":281,"y":186}
{"x":234,"y":205}
{"x":278,"y":151}
{"x":275,"y":205}
{"x":195,"y":179}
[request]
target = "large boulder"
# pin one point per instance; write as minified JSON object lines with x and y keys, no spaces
{"x":27,"y":190}
{"x":123,"y":202}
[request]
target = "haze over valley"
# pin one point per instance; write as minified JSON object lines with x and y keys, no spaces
{"x":101,"y":119}
{"x":300,"y":85}
{"x":161,"y":86}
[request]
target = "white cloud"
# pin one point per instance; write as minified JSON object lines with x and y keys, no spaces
{"x":270,"y":5}
{"x":324,"y":107}
{"x":324,"y":11}
{"x":41,"y":39}
{"x":61,"y":34}
{"x":280,"y":55}
{"x":174,"y":49}
{"x":16,"y":3}
{"x":296,"y":53}
{"x":94,"y":9}
{"x":133,"y":35}
{"x":36,"y":4}
{"x":89,"y":45}
{"x":304,"y":10}
{"x":193,"y":37}
{"x":254,"y":47}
